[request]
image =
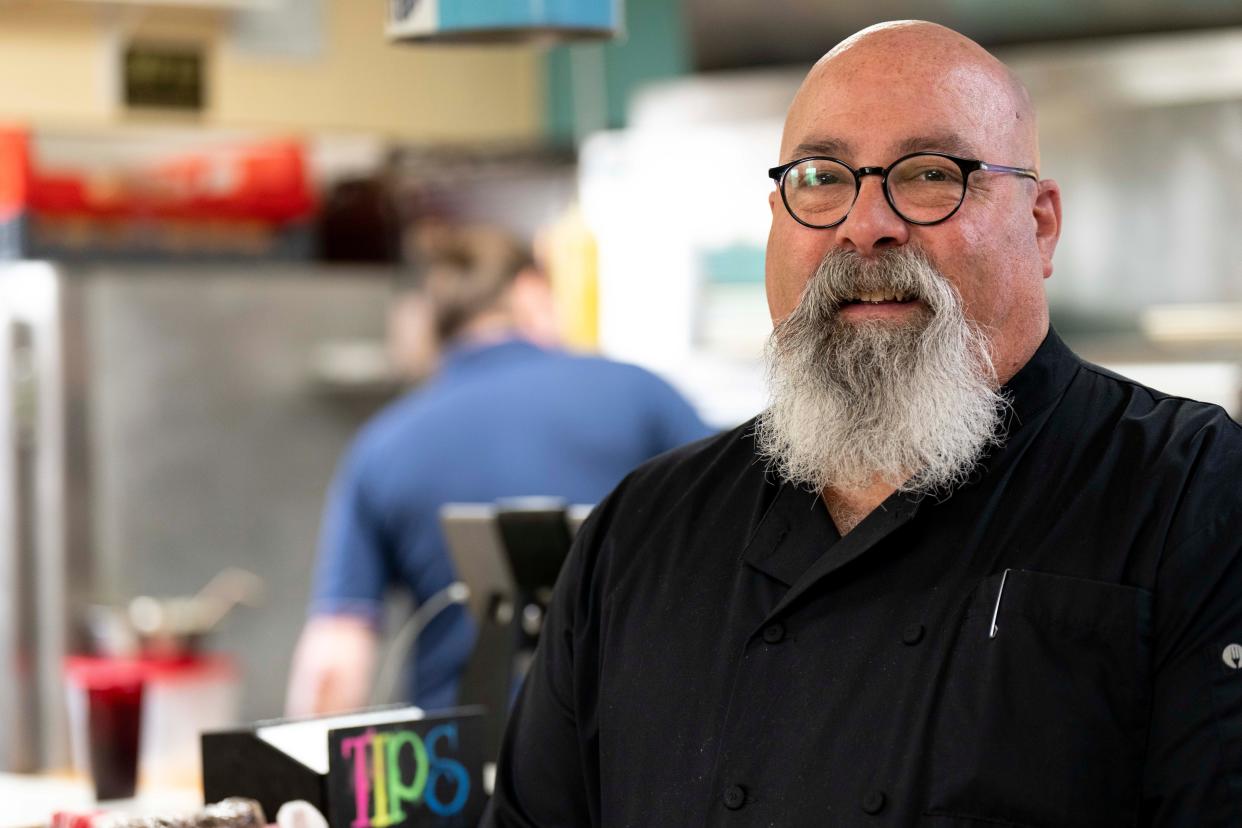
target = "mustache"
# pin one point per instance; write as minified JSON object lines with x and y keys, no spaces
{"x":844,"y":276}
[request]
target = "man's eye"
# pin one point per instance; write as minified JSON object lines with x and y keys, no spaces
{"x":931,"y":175}
{"x":817,"y":176}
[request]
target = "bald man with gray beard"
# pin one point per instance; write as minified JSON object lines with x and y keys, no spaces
{"x":953,"y":576}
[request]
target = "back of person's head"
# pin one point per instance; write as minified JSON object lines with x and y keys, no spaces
{"x":468,"y":274}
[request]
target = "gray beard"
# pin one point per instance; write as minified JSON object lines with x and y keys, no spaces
{"x":913,"y":405}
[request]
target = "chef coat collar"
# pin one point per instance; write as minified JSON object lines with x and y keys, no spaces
{"x":1041,"y":381}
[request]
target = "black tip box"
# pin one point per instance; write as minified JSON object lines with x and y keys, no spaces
{"x":383,"y":769}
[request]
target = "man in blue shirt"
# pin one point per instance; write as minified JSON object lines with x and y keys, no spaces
{"x":503,"y":417}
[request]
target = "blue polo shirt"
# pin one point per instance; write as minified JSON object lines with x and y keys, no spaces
{"x":505,"y":419}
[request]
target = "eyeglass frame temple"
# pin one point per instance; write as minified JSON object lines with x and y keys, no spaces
{"x":966,"y":165}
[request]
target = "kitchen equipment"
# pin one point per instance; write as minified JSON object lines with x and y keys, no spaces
{"x":516,"y":21}
{"x":135,"y":723}
{"x":173,"y":628}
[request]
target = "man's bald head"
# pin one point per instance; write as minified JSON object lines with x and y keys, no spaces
{"x":917,"y":52}
{"x":903,"y":89}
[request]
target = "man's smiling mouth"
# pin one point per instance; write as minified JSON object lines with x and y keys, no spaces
{"x":880,"y":297}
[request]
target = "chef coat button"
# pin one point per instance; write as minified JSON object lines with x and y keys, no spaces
{"x":912,"y":634}
{"x":873,"y":802}
{"x":774,"y":633}
{"x":734,"y":797}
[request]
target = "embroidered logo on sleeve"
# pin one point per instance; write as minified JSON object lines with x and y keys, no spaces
{"x":1232,"y":656}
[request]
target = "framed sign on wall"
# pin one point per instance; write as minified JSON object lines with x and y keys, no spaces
{"x":164,"y":76}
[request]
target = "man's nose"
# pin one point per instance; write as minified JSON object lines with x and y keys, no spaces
{"x":872,"y":224}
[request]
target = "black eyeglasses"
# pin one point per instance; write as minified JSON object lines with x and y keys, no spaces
{"x":922,"y":188}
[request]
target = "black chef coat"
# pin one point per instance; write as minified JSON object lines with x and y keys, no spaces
{"x":1049,"y":647}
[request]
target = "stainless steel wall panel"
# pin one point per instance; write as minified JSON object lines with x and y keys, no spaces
{"x":212,"y":444}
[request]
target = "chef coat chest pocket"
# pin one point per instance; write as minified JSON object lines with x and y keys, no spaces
{"x":1043,"y":723}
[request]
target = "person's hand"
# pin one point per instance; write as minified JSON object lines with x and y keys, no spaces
{"x":332,"y":666}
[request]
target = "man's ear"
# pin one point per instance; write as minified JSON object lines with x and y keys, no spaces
{"x":1047,"y":214}
{"x":773,"y":198}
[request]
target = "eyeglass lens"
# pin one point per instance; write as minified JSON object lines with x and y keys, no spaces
{"x":923,"y":188}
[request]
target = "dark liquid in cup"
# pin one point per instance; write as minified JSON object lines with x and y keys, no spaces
{"x":115,"y":715}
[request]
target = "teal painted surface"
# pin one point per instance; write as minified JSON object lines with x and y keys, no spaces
{"x":652,"y":45}
{"x":476,"y":14}
{"x":740,"y":264}
{"x":559,"y":104}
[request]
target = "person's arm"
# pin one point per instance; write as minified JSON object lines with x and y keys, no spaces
{"x":1193,"y":774}
{"x":548,"y":773}
{"x":333,"y":664}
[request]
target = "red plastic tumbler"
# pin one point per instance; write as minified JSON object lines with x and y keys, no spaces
{"x":113,"y":696}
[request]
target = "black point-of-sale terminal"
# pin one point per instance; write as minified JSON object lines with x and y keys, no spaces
{"x":532,"y":538}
